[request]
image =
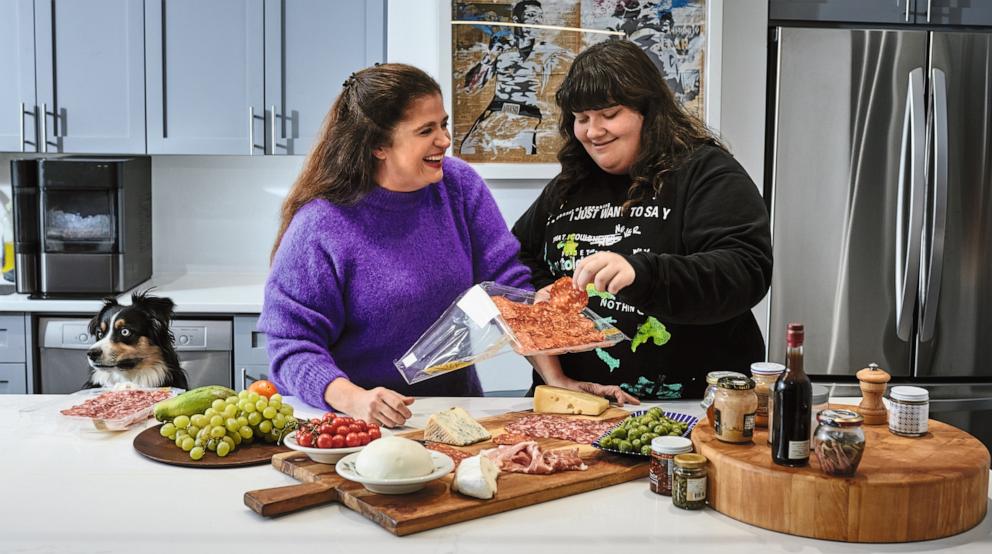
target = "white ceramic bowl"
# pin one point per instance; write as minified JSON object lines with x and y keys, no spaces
{"x":325,"y":455}
{"x":443,"y":465}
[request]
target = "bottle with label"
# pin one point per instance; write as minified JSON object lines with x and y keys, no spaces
{"x":793,"y":405}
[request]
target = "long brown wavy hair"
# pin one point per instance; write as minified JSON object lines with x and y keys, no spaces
{"x":618,"y":72}
{"x":341,"y":166}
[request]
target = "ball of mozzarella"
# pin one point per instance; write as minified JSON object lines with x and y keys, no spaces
{"x":394,"y":458}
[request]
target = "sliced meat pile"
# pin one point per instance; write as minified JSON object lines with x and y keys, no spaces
{"x":557,"y":323}
{"x":583,"y":431}
{"x":507,"y":438}
{"x":118,"y":404}
{"x":454,"y":453}
{"x":526,"y":457}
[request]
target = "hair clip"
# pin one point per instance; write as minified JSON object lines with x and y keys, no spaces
{"x":349,"y":81}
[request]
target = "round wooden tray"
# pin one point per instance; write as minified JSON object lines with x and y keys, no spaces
{"x":153,"y":445}
{"x":906,"y":489}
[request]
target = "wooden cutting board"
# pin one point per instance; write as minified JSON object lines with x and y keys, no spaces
{"x":151,"y":444}
{"x":436,"y":506}
{"x":905,"y":489}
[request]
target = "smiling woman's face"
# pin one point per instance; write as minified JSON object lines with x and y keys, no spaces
{"x":611,"y":136}
{"x":413,"y":159}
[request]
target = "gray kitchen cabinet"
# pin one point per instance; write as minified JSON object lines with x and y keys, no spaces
{"x":311,"y":47}
{"x":90,"y":75}
{"x":18,"y":129}
{"x":15,"y":353}
{"x":861,"y":11}
{"x":204,"y":72}
{"x":251,"y":361}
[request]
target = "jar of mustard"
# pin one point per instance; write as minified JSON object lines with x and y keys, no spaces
{"x":734,"y":411}
{"x":764,"y":374}
{"x":711,"y":379}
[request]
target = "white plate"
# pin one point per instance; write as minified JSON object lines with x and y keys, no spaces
{"x":324,"y":455}
{"x":443,"y":465}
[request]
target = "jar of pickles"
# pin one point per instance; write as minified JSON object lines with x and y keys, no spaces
{"x":764,"y":374}
{"x":711,"y":379}
{"x":839,"y":442}
{"x":734,"y":409}
{"x":689,"y":482}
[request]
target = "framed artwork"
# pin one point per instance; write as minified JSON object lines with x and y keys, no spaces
{"x":508,"y":58}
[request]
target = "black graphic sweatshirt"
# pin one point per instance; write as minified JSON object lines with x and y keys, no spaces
{"x":702,"y":258}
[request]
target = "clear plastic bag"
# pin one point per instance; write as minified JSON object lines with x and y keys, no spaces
{"x":472,"y":329}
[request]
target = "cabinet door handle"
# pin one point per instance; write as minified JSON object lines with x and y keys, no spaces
{"x":44,"y":128}
{"x":251,"y":132}
{"x":21,"y":116}
{"x":907,"y":10}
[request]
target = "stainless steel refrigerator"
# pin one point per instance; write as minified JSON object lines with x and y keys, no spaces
{"x":880,"y":150}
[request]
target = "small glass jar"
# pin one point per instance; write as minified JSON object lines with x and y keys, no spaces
{"x":689,"y":482}
{"x":764,"y":374}
{"x":663,"y":452}
{"x":821,"y":401}
{"x":711,"y":379}
{"x":909,"y":411}
{"x":734,"y":409}
{"x":839,"y":442}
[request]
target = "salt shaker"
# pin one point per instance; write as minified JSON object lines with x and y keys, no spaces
{"x":873,"y":382}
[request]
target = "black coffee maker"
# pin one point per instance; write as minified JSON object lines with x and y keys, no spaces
{"x":82,"y":225}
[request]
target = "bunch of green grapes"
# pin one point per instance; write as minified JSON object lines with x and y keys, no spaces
{"x":229,"y":422}
{"x":634,"y":434}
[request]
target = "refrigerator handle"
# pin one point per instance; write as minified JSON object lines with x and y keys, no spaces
{"x":931,"y":274}
{"x":908,"y":236}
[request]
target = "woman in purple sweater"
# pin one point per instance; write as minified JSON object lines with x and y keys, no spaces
{"x":379,"y":234}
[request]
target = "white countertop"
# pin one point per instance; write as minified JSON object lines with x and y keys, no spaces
{"x":192,"y":293}
{"x":65,"y":490}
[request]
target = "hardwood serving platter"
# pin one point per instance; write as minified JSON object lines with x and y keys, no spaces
{"x":152,"y":445}
{"x":906,"y":489}
{"x":436,"y":505}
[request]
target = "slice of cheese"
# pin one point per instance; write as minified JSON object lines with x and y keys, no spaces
{"x":476,"y":476}
{"x":554,"y":400}
{"x":455,"y":427}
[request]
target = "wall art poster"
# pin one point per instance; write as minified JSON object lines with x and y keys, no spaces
{"x":505,"y":77}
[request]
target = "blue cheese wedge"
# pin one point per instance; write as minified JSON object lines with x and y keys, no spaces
{"x":476,"y":477}
{"x":555,"y":400}
{"x":455,"y":427}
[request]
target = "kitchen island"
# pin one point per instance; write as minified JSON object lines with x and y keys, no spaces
{"x":66,"y":490}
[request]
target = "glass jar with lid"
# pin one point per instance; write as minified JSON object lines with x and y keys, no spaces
{"x":839,"y":442}
{"x":734,"y":409}
{"x":764,"y":374}
{"x":909,"y":411}
{"x":663,"y":452}
{"x":711,"y":379}
{"x":689,"y":482}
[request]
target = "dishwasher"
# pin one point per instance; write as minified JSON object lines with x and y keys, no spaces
{"x":204,"y":348}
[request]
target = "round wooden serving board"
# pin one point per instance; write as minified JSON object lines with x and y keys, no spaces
{"x":156,"y":447}
{"x":906,"y":489}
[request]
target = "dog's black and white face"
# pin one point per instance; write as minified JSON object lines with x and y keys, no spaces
{"x":134,"y":344}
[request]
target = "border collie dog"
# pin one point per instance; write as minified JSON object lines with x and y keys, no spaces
{"x":134,"y":344}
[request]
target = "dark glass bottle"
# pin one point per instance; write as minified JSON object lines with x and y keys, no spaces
{"x":793,"y":393}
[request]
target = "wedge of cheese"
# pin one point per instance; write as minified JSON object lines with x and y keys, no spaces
{"x":476,"y":476}
{"x":455,"y":427}
{"x":554,"y":400}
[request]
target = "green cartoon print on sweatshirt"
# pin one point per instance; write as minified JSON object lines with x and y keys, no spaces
{"x":651,"y":329}
{"x":607,"y":359}
{"x":650,"y":390}
{"x":569,"y":248}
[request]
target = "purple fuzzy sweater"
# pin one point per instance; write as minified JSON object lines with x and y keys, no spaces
{"x":353,"y":287}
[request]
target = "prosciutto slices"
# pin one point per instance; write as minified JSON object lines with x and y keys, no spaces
{"x":527,"y":457}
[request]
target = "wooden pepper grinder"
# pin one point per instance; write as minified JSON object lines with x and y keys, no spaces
{"x":873,"y":384}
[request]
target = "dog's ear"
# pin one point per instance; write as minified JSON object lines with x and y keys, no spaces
{"x":161,"y":311}
{"x":94,"y":325}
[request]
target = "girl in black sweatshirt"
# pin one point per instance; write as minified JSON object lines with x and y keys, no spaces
{"x":657,"y":221}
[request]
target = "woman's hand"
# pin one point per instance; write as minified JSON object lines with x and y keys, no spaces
{"x":607,"y":271}
{"x":379,"y":405}
{"x":606,"y":391}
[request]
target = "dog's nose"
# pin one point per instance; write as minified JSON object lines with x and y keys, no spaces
{"x":93,"y":354}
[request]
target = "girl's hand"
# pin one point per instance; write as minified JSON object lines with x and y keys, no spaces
{"x":607,"y":271}
{"x":607,"y":391}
